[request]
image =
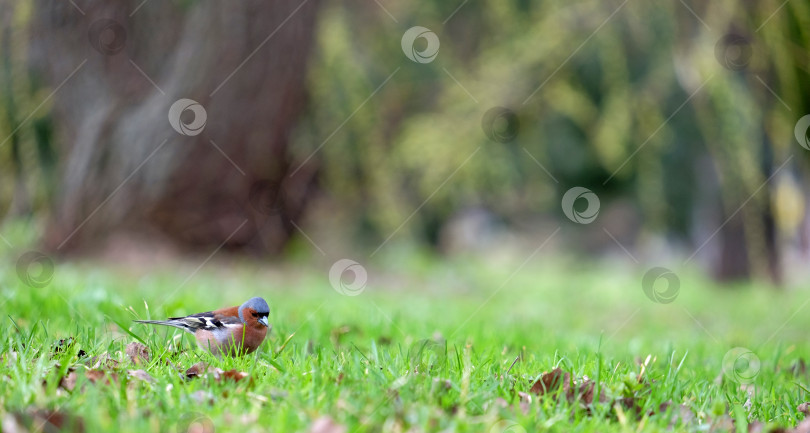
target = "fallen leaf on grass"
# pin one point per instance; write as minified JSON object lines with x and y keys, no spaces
{"x":42,"y":420}
{"x":756,"y":427}
{"x":138,"y":353}
{"x":102,"y":361}
{"x":680,"y":413}
{"x":326,"y":425}
{"x":199,"y":370}
{"x":550,"y":381}
{"x":234,"y":375}
{"x":525,"y":402}
{"x":195,"y":370}
{"x":581,"y":391}
{"x":68,"y":381}
{"x":141,"y":375}
{"x":96,"y":376}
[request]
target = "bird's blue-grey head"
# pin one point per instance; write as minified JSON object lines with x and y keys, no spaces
{"x":260,"y":308}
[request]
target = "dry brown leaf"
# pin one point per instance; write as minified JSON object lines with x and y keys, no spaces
{"x":96,"y":376}
{"x":756,"y":427}
{"x":550,"y":381}
{"x":216,"y":372}
{"x":44,"y":420}
{"x":234,"y":375}
{"x":326,"y":425}
{"x":681,"y":412}
{"x":141,"y":375}
{"x":804,"y":408}
{"x":586,"y":391}
{"x":723,"y":423}
{"x":138,"y":353}
{"x":196,"y":370}
{"x":68,"y":381}
{"x":525,"y":402}
{"x":583,"y":392}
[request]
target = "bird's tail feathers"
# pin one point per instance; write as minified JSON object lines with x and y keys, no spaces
{"x":173,"y":323}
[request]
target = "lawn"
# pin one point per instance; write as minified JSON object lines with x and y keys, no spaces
{"x":427,"y":345}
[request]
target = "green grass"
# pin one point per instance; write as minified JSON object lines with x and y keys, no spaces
{"x":357,"y":359}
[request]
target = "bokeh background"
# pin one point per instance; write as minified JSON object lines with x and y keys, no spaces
{"x":323,"y":132}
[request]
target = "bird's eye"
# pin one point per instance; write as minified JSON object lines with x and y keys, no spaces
{"x":255,"y":314}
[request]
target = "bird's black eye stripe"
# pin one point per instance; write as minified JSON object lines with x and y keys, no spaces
{"x":255,"y":314}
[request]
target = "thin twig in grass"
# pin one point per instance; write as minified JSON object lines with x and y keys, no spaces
{"x":513,"y":364}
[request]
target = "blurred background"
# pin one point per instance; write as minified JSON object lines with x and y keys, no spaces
{"x":640,"y":133}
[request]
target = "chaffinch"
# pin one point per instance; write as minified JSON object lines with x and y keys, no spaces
{"x":234,"y":330}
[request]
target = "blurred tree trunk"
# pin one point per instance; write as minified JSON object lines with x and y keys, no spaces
{"x":124,"y":168}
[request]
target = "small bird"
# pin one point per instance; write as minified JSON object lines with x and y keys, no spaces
{"x":234,"y":330}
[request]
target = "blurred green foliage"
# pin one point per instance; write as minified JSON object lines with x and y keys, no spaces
{"x":628,"y":99}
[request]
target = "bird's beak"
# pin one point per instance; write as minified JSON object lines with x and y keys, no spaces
{"x":263,"y":320}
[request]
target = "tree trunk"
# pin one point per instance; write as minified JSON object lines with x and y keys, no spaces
{"x":116,"y":69}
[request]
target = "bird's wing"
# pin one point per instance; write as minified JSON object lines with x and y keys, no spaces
{"x":208,"y":321}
